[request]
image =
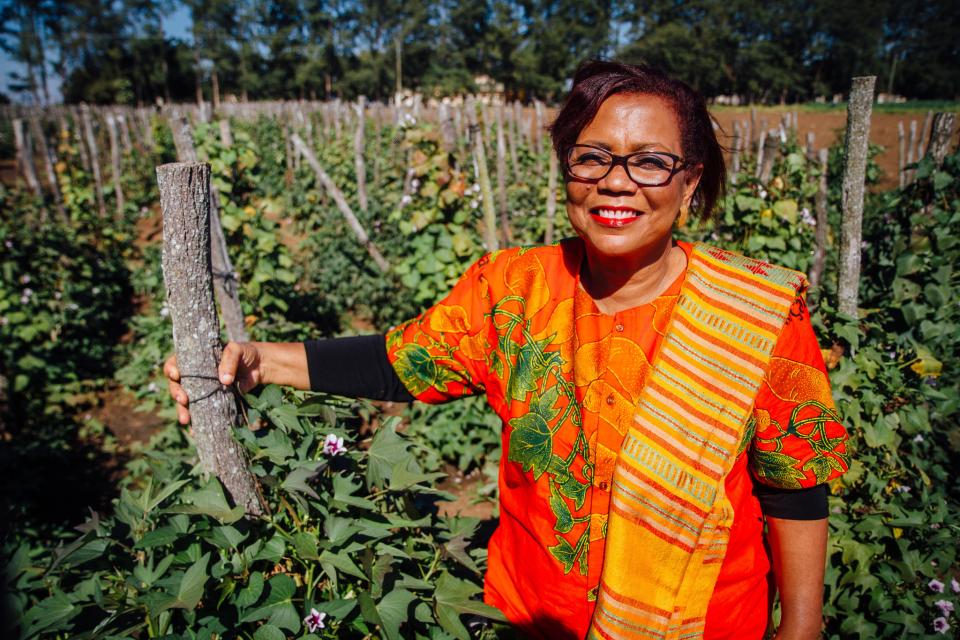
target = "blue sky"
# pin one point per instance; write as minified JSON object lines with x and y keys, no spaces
{"x":176,"y":25}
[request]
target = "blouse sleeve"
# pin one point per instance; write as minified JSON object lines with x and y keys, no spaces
{"x":442,"y":354}
{"x":798,"y":440}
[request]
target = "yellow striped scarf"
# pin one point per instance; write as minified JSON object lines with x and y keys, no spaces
{"x":670,"y":518}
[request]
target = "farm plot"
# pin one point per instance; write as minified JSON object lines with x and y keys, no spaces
{"x":334,"y":216}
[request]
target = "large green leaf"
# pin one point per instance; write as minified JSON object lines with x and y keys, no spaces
{"x":278,"y":608}
{"x":393,"y":611}
{"x":48,"y":615}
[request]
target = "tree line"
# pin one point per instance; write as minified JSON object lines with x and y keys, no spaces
{"x":117,"y":51}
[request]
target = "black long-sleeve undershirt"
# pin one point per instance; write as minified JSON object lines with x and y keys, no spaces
{"x":358,"y":367}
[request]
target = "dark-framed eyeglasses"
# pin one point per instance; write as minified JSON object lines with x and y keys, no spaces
{"x":646,"y":168}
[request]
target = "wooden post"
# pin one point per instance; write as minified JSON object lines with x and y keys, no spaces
{"x":901,"y":155}
{"x":925,"y":135}
{"x":752,"y":131}
{"x":124,"y":133}
{"x":771,"y":147}
{"x":940,"y":134}
{"x":94,"y":158}
{"x":115,"y":158}
{"x":226,"y":281}
{"x":359,"y":144}
{"x":483,"y":176}
{"x":226,"y":136}
{"x":49,"y":162}
{"x":735,"y":153}
{"x":911,"y":154}
{"x":330,"y":186}
{"x":820,"y":204}
{"x":854,"y":176}
{"x":24,"y":149}
{"x":551,"y":197}
{"x":811,"y":151}
{"x":448,"y":133}
{"x":502,"y":179}
{"x":510,"y":116}
{"x":538,"y":112}
{"x":187,"y":275}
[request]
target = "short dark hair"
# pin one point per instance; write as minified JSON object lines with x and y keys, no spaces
{"x":597,"y":80}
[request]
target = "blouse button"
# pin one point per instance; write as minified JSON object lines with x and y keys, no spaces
{"x":619,"y":327}
{"x":610,"y":399}
{"x":603,"y":485}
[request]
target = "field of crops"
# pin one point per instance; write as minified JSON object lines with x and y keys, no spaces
{"x":111,"y":530}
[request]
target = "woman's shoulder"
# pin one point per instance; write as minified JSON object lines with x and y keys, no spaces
{"x":563,"y":254}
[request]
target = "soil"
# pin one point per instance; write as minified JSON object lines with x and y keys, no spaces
{"x":464,"y":487}
{"x":117,"y":409}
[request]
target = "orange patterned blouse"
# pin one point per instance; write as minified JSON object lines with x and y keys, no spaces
{"x":564,"y":378}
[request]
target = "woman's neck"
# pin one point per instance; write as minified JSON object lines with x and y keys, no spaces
{"x":617,"y":283}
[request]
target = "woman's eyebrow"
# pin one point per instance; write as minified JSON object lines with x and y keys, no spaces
{"x":643,"y":146}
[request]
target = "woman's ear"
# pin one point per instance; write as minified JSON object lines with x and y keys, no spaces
{"x":691,"y":181}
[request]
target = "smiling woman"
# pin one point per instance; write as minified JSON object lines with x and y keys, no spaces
{"x":661,"y":401}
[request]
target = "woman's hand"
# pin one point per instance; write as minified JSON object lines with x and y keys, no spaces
{"x":249,"y":364}
{"x":241,"y":361}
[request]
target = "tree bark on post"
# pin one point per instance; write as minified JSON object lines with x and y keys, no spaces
{"x":925,"y":135}
{"x":115,"y":163}
{"x":820,"y":204}
{"x":359,"y":144}
{"x":226,"y":281}
{"x":735,"y":153}
{"x":551,"y":197}
{"x":94,"y":158}
{"x":854,"y":176}
{"x":940,"y":134}
{"x":502,"y":179}
{"x":226,"y":136}
{"x":331,"y":187}
{"x":483,"y":176}
{"x":510,"y":116}
{"x":911,"y":153}
{"x":187,"y":274}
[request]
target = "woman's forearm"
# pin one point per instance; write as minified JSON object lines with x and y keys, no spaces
{"x":284,"y":363}
{"x":799,"y":549}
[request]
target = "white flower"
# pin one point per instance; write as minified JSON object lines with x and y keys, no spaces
{"x":4,"y":321}
{"x":940,"y":625}
{"x":415,"y":184}
{"x":903,"y":489}
{"x":954,"y":585}
{"x":57,"y":295}
{"x":8,"y":244}
{"x":405,"y":200}
{"x":152,"y":387}
{"x":28,"y":292}
{"x":314,"y":621}
{"x":807,"y":218}
{"x":918,"y":438}
{"x":935,"y":585}
{"x":763,"y":193}
{"x":164,"y":311}
{"x":474,"y":204}
{"x":25,"y":279}
{"x":95,"y":290}
{"x":333,"y":446}
{"x":72,"y":306}
{"x":945,"y":606}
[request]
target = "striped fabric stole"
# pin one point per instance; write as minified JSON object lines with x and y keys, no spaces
{"x":669,"y":519}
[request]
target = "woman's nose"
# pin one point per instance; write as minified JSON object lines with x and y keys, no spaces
{"x":618,"y":180}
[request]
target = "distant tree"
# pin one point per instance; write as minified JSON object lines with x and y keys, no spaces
{"x":21,"y":37}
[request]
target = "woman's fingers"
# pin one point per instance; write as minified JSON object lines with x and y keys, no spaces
{"x":183,"y":416}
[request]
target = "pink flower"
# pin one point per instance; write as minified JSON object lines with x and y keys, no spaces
{"x":935,"y":585}
{"x":314,"y":621}
{"x":945,"y":606}
{"x":940,"y":625}
{"x":955,"y":585}
{"x":333,"y":446}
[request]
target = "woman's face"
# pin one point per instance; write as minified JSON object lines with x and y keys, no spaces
{"x":615,"y":216}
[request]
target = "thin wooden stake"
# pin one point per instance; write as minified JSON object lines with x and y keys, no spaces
{"x":94,"y":158}
{"x":330,"y":186}
{"x":187,"y":275}
{"x":21,"y":138}
{"x":820,"y":234}
{"x":854,"y":178}
{"x":551,"y":197}
{"x":359,"y":144}
{"x":49,"y":164}
{"x":483,"y":175}
{"x":115,"y":158}
{"x":901,"y":155}
{"x":502,"y":179}
{"x":940,"y":134}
